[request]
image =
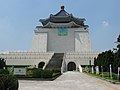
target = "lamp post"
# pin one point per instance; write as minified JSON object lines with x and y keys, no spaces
{"x":118,"y":73}
{"x":110,"y":72}
{"x":90,"y":65}
{"x":102,"y":70}
{"x":92,"y":69}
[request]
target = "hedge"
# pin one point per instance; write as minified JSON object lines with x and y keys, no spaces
{"x":38,"y":73}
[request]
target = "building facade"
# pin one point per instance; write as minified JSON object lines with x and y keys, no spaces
{"x":61,"y":36}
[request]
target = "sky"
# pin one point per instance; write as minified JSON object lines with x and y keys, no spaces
{"x":18,"y":19}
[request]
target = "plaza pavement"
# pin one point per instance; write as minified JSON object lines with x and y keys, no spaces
{"x":69,"y":81}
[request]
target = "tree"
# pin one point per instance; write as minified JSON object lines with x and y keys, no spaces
{"x":116,"y":63}
{"x":118,"y":41}
{"x":2,"y":63}
{"x":106,"y":58}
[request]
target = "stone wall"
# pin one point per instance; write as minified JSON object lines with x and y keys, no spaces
{"x":26,"y":58}
{"x":79,"y":58}
{"x":51,"y":39}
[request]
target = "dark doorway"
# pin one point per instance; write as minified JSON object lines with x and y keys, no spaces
{"x":71,"y":66}
{"x":41,"y":64}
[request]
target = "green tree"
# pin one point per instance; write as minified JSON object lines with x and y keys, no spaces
{"x":108,"y":57}
{"x":2,"y":63}
{"x":104,"y":59}
{"x":116,"y":63}
{"x":118,"y":40}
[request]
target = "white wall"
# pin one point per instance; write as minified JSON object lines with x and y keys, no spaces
{"x":26,"y":58}
{"x":48,"y":39}
{"x":82,"y":58}
{"x":58,"y":43}
{"x":79,"y":58}
{"x":39,"y":43}
{"x":82,"y":41}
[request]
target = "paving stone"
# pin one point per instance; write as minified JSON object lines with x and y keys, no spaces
{"x":69,"y":81}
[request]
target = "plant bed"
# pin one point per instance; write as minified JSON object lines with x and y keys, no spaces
{"x":104,"y":77}
{"x":38,"y":74}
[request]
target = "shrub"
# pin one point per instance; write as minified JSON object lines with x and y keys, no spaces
{"x":47,"y":74}
{"x":34,"y":73}
{"x":38,"y":73}
{"x":104,"y":74}
{"x":29,"y":73}
{"x":8,"y":81}
{"x":10,"y":69}
{"x":4,"y":71}
{"x":115,"y":76}
{"x":56,"y":72}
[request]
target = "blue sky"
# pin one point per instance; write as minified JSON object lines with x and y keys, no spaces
{"x":18,"y":19}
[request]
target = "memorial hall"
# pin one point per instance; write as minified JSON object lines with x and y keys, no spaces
{"x":61,"y":42}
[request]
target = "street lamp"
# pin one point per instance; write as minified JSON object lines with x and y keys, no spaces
{"x":110,"y":72}
{"x":102,"y":70}
{"x":118,"y":73}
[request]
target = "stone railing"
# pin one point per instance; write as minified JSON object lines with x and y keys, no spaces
{"x":26,"y":55}
{"x":77,"y":55}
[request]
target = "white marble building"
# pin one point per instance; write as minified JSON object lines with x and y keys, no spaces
{"x":48,"y":39}
{"x":60,"y":33}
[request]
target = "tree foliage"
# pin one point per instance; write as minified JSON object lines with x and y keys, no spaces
{"x":7,"y":80}
{"x":106,"y":58}
{"x":118,"y":40}
{"x":2,"y":63}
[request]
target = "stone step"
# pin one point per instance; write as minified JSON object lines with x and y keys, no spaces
{"x":55,"y":62}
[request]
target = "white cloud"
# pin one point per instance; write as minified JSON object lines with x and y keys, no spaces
{"x":105,"y":24}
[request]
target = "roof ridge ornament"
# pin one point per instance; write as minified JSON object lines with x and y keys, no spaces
{"x":62,"y":7}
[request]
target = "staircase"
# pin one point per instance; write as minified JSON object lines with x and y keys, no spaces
{"x":55,"y":62}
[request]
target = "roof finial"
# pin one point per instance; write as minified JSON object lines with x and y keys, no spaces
{"x":62,"y":7}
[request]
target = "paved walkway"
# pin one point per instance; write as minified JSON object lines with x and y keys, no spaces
{"x":69,"y":81}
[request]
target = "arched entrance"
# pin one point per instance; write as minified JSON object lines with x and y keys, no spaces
{"x":41,"y":64}
{"x":71,"y":66}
